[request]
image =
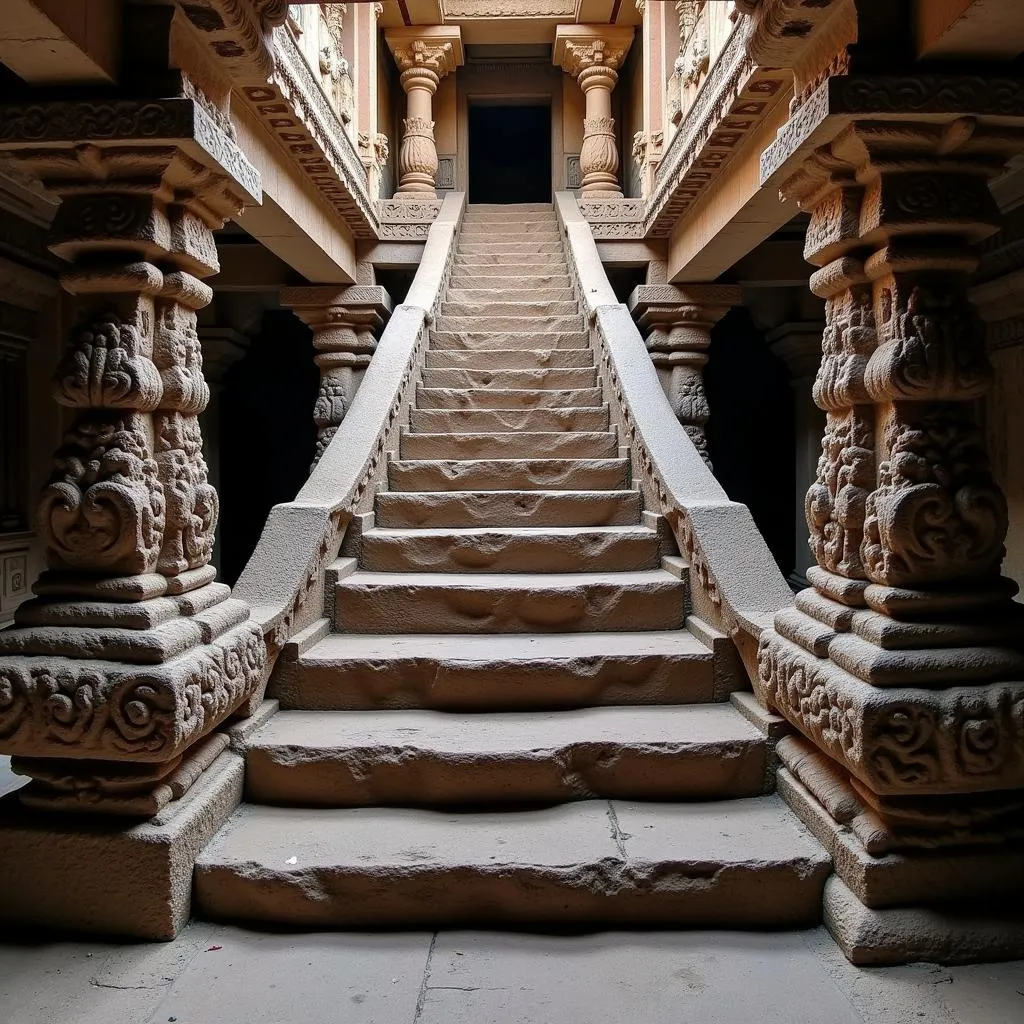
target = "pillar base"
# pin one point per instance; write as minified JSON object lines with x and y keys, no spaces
{"x":953,"y":934}
{"x":84,"y":874}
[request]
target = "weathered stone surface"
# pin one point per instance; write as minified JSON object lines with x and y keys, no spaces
{"x":544,"y":356}
{"x":482,"y":672}
{"x":474,"y":421}
{"x":502,"y":474}
{"x":588,"y":862}
{"x":460,"y":394}
{"x":438,"y":603}
{"x":427,"y":758}
{"x":515,"y":445}
{"x":468,"y":509}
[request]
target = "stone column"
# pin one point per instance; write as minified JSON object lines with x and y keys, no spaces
{"x":424,"y":56}
{"x":903,"y":663}
{"x":345,"y":323}
{"x":592,"y":54}
{"x":677,"y":323}
{"x":798,"y":345}
{"x":131,"y":655}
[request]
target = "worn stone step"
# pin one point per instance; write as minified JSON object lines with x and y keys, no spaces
{"x":533,"y":340}
{"x":596,"y":863}
{"x":510,"y":248}
{"x":546,"y":549}
{"x":476,"y":296}
{"x":515,"y":214}
{"x":535,"y":359}
{"x":466,"y":509}
{"x":517,"y":274}
{"x":511,"y":672}
{"x":368,"y":602}
{"x":525,"y":445}
{"x":514,"y":310}
{"x":540,"y":324}
{"x":465,"y":421}
{"x":503,"y":398}
{"x":509,"y":231}
{"x":547,"y":260}
{"x":506,"y":474}
{"x":530,"y":380}
{"x":433,"y":758}
{"x":507,"y":209}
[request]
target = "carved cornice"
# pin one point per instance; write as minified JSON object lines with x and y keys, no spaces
{"x":735,"y":98}
{"x":612,"y":219}
{"x":469,"y":10}
{"x":779,"y":31}
{"x":407,"y":220}
{"x":238,"y":32}
{"x":295,"y":110}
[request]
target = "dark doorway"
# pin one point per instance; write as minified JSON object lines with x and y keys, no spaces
{"x":509,"y":154}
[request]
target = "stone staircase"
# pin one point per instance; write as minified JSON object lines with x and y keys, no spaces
{"x":511,"y":722}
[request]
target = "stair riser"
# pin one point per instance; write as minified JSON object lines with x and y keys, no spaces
{"x":412,"y":607}
{"x":512,"y":274}
{"x":535,"y":261}
{"x":510,"y":232}
{"x":452,"y":553}
{"x":494,"y":360}
{"x":498,"y":398}
{"x":598,"y":894}
{"x":503,"y":475}
{"x":515,"y":310}
{"x":507,"y":324}
{"x":482,"y":342}
{"x":509,"y":446}
{"x":468,"y":510}
{"x":386,"y":776}
{"x":442,"y":421}
{"x":476,"y":296}
{"x":511,"y":248}
{"x":536,"y":684}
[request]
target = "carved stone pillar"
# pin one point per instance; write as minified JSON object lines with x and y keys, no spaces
{"x":903,"y":664}
{"x":424,"y":56}
{"x":677,"y":325}
{"x":592,"y":54}
{"x":345,"y":324}
{"x":798,"y":345}
{"x":131,"y":655}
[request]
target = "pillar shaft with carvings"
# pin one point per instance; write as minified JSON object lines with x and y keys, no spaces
{"x":345,"y":324}
{"x":903,"y":663}
{"x":131,"y":655}
{"x":424,"y":56}
{"x":592,"y":54}
{"x":677,"y":323}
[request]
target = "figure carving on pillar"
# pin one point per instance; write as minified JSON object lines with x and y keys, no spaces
{"x":131,"y":653}
{"x":591,"y":54}
{"x":677,"y":323}
{"x":345,"y":322}
{"x":424,"y":56}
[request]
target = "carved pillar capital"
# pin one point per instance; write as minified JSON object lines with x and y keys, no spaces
{"x":345,"y":323}
{"x":798,"y":345}
{"x":104,"y":669}
{"x":677,"y":323}
{"x":424,"y":56}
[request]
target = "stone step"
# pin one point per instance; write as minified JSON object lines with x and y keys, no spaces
{"x":480,"y":296}
{"x":505,"y":474}
{"x":492,"y":360}
{"x":549,"y":549}
{"x":500,"y":673}
{"x":509,"y":231}
{"x":515,"y":264}
{"x":525,"y":445}
{"x":515,"y":215}
{"x":466,"y":509}
{"x":510,"y":248}
{"x":368,"y":602}
{"x":465,"y":421}
{"x":518,"y":275}
{"x":509,"y":309}
{"x":540,"y":324}
{"x":507,"y":209}
{"x":483,"y":340}
{"x":534,"y":380}
{"x":434,"y":758}
{"x":502,"y":398}
{"x":595,"y":863}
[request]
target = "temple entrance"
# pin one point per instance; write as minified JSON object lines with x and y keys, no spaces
{"x":509,"y":154}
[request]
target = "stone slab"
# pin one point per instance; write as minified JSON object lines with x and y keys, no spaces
{"x":468,"y":398}
{"x":72,"y":874}
{"x":515,"y":445}
{"x":508,"y":474}
{"x":429,"y":758}
{"x":536,"y":360}
{"x":503,"y":420}
{"x":488,"y":339}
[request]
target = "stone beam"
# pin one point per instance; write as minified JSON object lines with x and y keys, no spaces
{"x":293,"y":223}
{"x":249,"y":267}
{"x":55,"y":42}
{"x":991,"y":29}
{"x":773,"y":264}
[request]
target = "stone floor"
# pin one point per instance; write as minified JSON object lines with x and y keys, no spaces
{"x":215,"y":974}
